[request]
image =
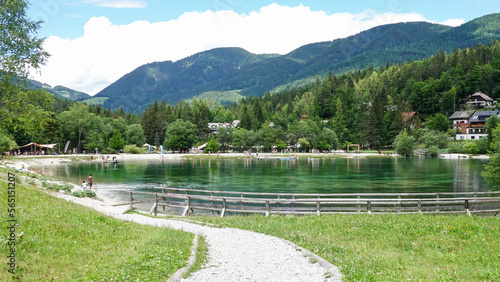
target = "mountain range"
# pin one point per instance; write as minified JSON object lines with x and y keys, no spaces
{"x":60,"y":91}
{"x":235,"y":72}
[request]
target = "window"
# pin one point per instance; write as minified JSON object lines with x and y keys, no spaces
{"x":473,"y":137}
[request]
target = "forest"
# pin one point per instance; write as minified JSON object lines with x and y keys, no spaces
{"x":364,"y":107}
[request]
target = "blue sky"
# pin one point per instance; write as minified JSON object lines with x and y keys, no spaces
{"x":95,"y":42}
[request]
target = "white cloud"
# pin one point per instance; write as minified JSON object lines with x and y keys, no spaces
{"x":137,"y":4}
{"x":454,"y":22}
{"x":106,"y":51}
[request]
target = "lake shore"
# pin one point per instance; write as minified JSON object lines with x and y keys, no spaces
{"x":25,"y":162}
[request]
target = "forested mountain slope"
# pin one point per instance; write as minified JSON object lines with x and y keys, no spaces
{"x":234,"y":69}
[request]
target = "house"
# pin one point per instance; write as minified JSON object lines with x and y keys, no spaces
{"x":214,"y":126}
{"x":474,"y":129}
{"x":460,"y":119}
{"x":479,"y":100}
{"x":413,"y":119}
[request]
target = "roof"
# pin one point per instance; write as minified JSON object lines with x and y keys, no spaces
{"x":49,"y":146}
{"x":408,"y":115}
{"x":480,"y":96}
{"x":482,"y":116}
{"x":461,"y":115}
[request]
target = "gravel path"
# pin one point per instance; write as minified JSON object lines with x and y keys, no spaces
{"x":234,"y":254}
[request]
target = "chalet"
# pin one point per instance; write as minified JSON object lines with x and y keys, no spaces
{"x":460,"y":119}
{"x":474,"y":129}
{"x":413,"y":119}
{"x":479,"y":100}
{"x":214,"y":126}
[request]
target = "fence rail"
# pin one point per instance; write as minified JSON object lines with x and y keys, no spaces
{"x":225,"y":202}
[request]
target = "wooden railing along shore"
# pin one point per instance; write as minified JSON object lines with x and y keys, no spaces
{"x":223,"y":203}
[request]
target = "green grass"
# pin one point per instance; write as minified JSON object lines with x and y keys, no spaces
{"x":95,"y":100}
{"x":65,"y":241}
{"x":223,"y":97}
{"x":201,"y":257}
{"x":391,"y":247}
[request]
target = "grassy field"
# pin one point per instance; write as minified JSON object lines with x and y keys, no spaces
{"x":95,"y":100}
{"x":391,"y":247}
{"x":56,"y":239}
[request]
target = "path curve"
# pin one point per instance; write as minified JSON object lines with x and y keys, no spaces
{"x":235,"y":254}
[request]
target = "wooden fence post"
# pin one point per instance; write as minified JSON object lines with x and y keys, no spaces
{"x":420,"y":206}
{"x":186,"y":209}
{"x":212,"y":202}
{"x":242,"y":204}
{"x":156,"y":204}
{"x":318,"y":208}
{"x":437,"y":202}
{"x":473,"y":205}
{"x":399,"y":203}
{"x":359,"y":206}
{"x":131,"y":202}
{"x":293,"y":203}
{"x":369,"y":207}
{"x":467,"y":207}
{"x":268,"y":211}
{"x":164,"y":198}
{"x":223,"y":207}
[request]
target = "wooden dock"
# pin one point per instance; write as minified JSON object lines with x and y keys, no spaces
{"x":222,"y":203}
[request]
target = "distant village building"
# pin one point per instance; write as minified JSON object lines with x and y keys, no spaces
{"x":461,"y":119}
{"x":413,"y":119}
{"x":474,"y":129}
{"x":479,"y":100}
{"x":215,"y":126}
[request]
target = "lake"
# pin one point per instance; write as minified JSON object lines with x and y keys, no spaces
{"x":331,"y":175}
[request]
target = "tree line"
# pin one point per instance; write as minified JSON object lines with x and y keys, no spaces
{"x":364,"y":107}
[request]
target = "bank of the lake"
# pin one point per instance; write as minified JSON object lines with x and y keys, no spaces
{"x":60,"y":240}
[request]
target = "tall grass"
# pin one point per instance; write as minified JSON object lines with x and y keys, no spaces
{"x":391,"y":247}
{"x":69,"y":242}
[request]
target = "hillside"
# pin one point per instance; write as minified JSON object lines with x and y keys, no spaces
{"x":234,"y":69}
{"x":60,"y":91}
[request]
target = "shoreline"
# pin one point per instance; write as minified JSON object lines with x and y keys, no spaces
{"x":25,"y":162}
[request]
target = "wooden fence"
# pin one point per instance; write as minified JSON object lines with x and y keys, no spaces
{"x":187,"y":201}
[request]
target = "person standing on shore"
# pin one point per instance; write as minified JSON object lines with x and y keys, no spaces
{"x":90,"y":181}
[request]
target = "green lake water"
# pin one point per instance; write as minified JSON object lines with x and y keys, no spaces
{"x":339,"y":175}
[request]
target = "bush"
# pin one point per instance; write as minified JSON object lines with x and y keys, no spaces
{"x":404,"y":144}
{"x":56,"y":187}
{"x":83,"y":194}
{"x":433,"y":151}
{"x":454,"y":148}
{"x":133,"y":149}
{"x":473,"y":148}
{"x":435,"y":138}
{"x":78,"y":194}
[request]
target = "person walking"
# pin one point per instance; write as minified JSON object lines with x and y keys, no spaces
{"x":90,"y":181}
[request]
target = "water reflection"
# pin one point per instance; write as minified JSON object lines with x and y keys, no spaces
{"x":350,"y":175}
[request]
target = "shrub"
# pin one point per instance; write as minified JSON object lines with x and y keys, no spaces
{"x":454,"y":148}
{"x":404,"y":144}
{"x":435,"y":138}
{"x":56,"y":187}
{"x":90,"y":194}
{"x":133,"y":149}
{"x":433,"y":151}
{"x":83,"y":194}
{"x":473,"y":148}
{"x":79,"y":194}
